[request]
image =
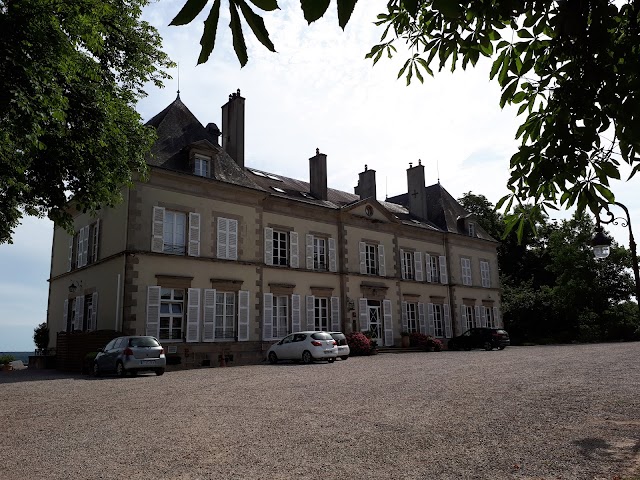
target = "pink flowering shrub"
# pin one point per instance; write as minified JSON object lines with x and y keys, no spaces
{"x":426,"y":342}
{"x":358,"y":343}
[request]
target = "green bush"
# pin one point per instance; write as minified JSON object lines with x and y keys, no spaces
{"x":41,"y":336}
{"x":6,"y":359}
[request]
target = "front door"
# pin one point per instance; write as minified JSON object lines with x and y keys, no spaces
{"x":375,"y":324}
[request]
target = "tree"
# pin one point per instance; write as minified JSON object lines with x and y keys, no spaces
{"x":41,"y":336}
{"x":572,"y":66}
{"x":70,"y":76}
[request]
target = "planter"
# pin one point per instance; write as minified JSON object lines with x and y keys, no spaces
{"x":406,"y":341}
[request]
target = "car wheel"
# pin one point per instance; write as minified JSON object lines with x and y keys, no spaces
{"x":501,"y":347}
{"x":488,"y":346}
{"x":273,"y":358}
{"x":345,"y":357}
{"x":120,"y":370}
{"x":306,"y":357}
{"x":96,"y":369}
{"x":331,"y":360}
{"x":159,"y":371}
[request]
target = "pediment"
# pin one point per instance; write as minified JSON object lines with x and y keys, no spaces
{"x":370,"y":209}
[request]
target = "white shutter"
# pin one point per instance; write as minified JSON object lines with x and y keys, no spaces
{"x":388,"y":323}
{"x":193,"y":315}
{"x":79,"y":312}
{"x":232,"y":240}
{"x":363,"y":257}
{"x":447,"y":321}
{"x":293,"y":250}
{"x":85,"y":245}
{"x":463,"y":319}
{"x":79,"y":248}
{"x":402,"y":265}
{"x":405,"y":317}
{"x":157,"y":231}
{"x":311,"y":320}
{"x":335,"y":314}
{"x":496,"y":318}
{"x":209,"y":320}
{"x":194,"y":234}
{"x":333,"y":264}
{"x":96,"y":239}
{"x":65,"y":314}
{"x":427,"y":263}
{"x":309,"y":251}
{"x":431,"y":315}
{"x":267,"y":317}
{"x":421,"y":319}
{"x":382,"y":271}
{"x":295,"y":313}
{"x":483,"y":316}
{"x":222,"y":236}
{"x":364,"y":314}
{"x":268,"y":247}
{"x":243,"y":316}
{"x":476,"y":320}
{"x":444,"y":278}
{"x":93,"y":323}
{"x":485,"y":274}
{"x":417,"y":256}
{"x":153,"y":312}
{"x":70,"y":262}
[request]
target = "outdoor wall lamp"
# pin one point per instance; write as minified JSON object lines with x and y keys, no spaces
{"x":74,"y":286}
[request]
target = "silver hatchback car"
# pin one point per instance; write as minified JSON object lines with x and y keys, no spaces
{"x":133,"y":354}
{"x":306,"y":346}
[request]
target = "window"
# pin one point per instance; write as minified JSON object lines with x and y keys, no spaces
{"x":407,"y":265}
{"x":280,"y":316}
{"x":466,"y":270}
{"x":489,"y":316}
{"x":280,"y":248}
{"x":485,"y":273}
{"x":467,"y":317}
{"x":319,"y":254}
{"x":171,"y":313}
{"x":169,"y":232}
{"x":438,"y":325}
{"x":433,"y":266}
{"x":225,"y":321}
{"x":321,"y":314}
{"x":83,"y":246}
{"x":227,"y":238}
{"x":471,"y":229}
{"x":173,"y":233}
{"x":411,"y":312}
{"x":201,"y":166}
{"x":371,"y":259}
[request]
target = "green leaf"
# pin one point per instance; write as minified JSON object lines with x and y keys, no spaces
{"x":496,"y":64}
{"x":610,"y":170}
{"x":314,"y":9}
{"x":345,"y":9}
{"x":507,"y":95}
{"x":238,"y":38}
{"x":404,"y":67}
{"x":256,"y":24}
{"x":208,"y":39}
{"x":524,"y":33}
{"x":266,"y":5}
{"x":190,"y":11}
{"x":448,"y":8}
{"x":411,"y":6}
{"x":605,"y":192}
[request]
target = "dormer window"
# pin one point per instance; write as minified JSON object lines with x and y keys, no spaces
{"x":201,"y":166}
{"x":471,"y":229}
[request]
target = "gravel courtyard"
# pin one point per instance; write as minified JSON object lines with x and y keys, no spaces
{"x":556,"y":412}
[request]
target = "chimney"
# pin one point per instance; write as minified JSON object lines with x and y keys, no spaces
{"x":318,"y":175}
{"x":233,"y":127}
{"x":416,"y":190}
{"x":366,"y":184}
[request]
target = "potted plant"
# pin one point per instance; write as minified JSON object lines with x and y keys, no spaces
{"x":405,"y":339}
{"x":5,"y":362}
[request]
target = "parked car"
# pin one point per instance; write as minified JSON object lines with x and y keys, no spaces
{"x":343,"y":346}
{"x":487,"y":338}
{"x":305,"y":346}
{"x":132,"y":354}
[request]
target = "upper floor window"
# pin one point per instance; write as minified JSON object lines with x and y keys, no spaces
{"x":465,"y":264}
{"x":281,"y":247}
{"x":437,"y":269}
{"x":227,"y":238}
{"x":171,"y":234}
{"x":201,"y":166}
{"x":407,"y":264}
{"x":485,"y":273}
{"x":372,"y":260}
{"x":471,"y":229}
{"x":320,"y":253}
{"x":83,"y":246}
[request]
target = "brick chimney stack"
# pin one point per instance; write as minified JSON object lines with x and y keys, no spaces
{"x":416,"y":190}
{"x":366,"y":184}
{"x":233,"y":127}
{"x":318,"y":175}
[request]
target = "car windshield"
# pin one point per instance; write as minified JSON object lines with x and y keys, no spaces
{"x":340,"y":338}
{"x":143,"y":342}
{"x":321,"y":336}
{"x":501,"y":332}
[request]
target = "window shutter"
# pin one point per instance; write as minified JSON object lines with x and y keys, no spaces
{"x":485,"y":273}
{"x":79,"y":248}
{"x":85,"y":245}
{"x":427,"y":263}
{"x":268,"y":247}
{"x":93,"y":321}
{"x":476,"y":322}
{"x":293,"y":247}
{"x":447,"y":321}
{"x":222,"y":235}
{"x":431,"y":315}
{"x":295,"y":313}
{"x":483,"y":316}
{"x":243,"y":316}
{"x":417,"y":257}
{"x":267,"y":316}
{"x":311,"y":317}
{"x":405,"y":317}
{"x":421,"y":319}
{"x":194,"y":235}
{"x":157,"y":231}
{"x":364,"y":314}
{"x":333,"y":266}
{"x":496,"y":317}
{"x":79,"y":312}
{"x":65,"y":314}
{"x":70,"y":263}
{"x":232,"y":241}
{"x":153,"y":311}
{"x":463,"y":319}
{"x":335,"y":314}
{"x":388,"y":323}
{"x":193,"y":314}
{"x":209,"y":320}
{"x":363,"y":257}
{"x":444,"y":278}
{"x":309,"y":251}
{"x":402,"y":265}
{"x":96,"y":239}
{"x":382,"y":271}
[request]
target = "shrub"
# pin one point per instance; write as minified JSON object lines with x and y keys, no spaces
{"x":359,"y":343}
{"x":4,"y":359}
{"x":41,"y":336}
{"x":419,"y":340}
{"x":435,"y":344}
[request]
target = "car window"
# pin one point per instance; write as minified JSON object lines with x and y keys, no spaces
{"x":501,"y":332}
{"x":321,"y":336}
{"x":110,"y":345}
{"x":299,"y":337}
{"x":118,"y":343}
{"x":143,"y":342}
{"x":340,"y":338}
{"x":287,"y":339}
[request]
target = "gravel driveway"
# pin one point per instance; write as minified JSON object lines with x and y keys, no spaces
{"x":556,"y":412}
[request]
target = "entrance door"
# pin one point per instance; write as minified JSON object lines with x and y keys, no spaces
{"x":375,"y":324}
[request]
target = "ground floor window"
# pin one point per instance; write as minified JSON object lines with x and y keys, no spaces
{"x":412,"y":317}
{"x":171,"y":313}
{"x":438,"y":324}
{"x":470,"y":316}
{"x":280,"y":316}
{"x":489,"y":315}
{"x":225,"y":322}
{"x":321,"y":314}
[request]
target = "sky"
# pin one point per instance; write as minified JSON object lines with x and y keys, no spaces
{"x":317,"y":91}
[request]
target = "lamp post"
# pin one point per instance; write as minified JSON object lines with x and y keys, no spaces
{"x":601,"y":243}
